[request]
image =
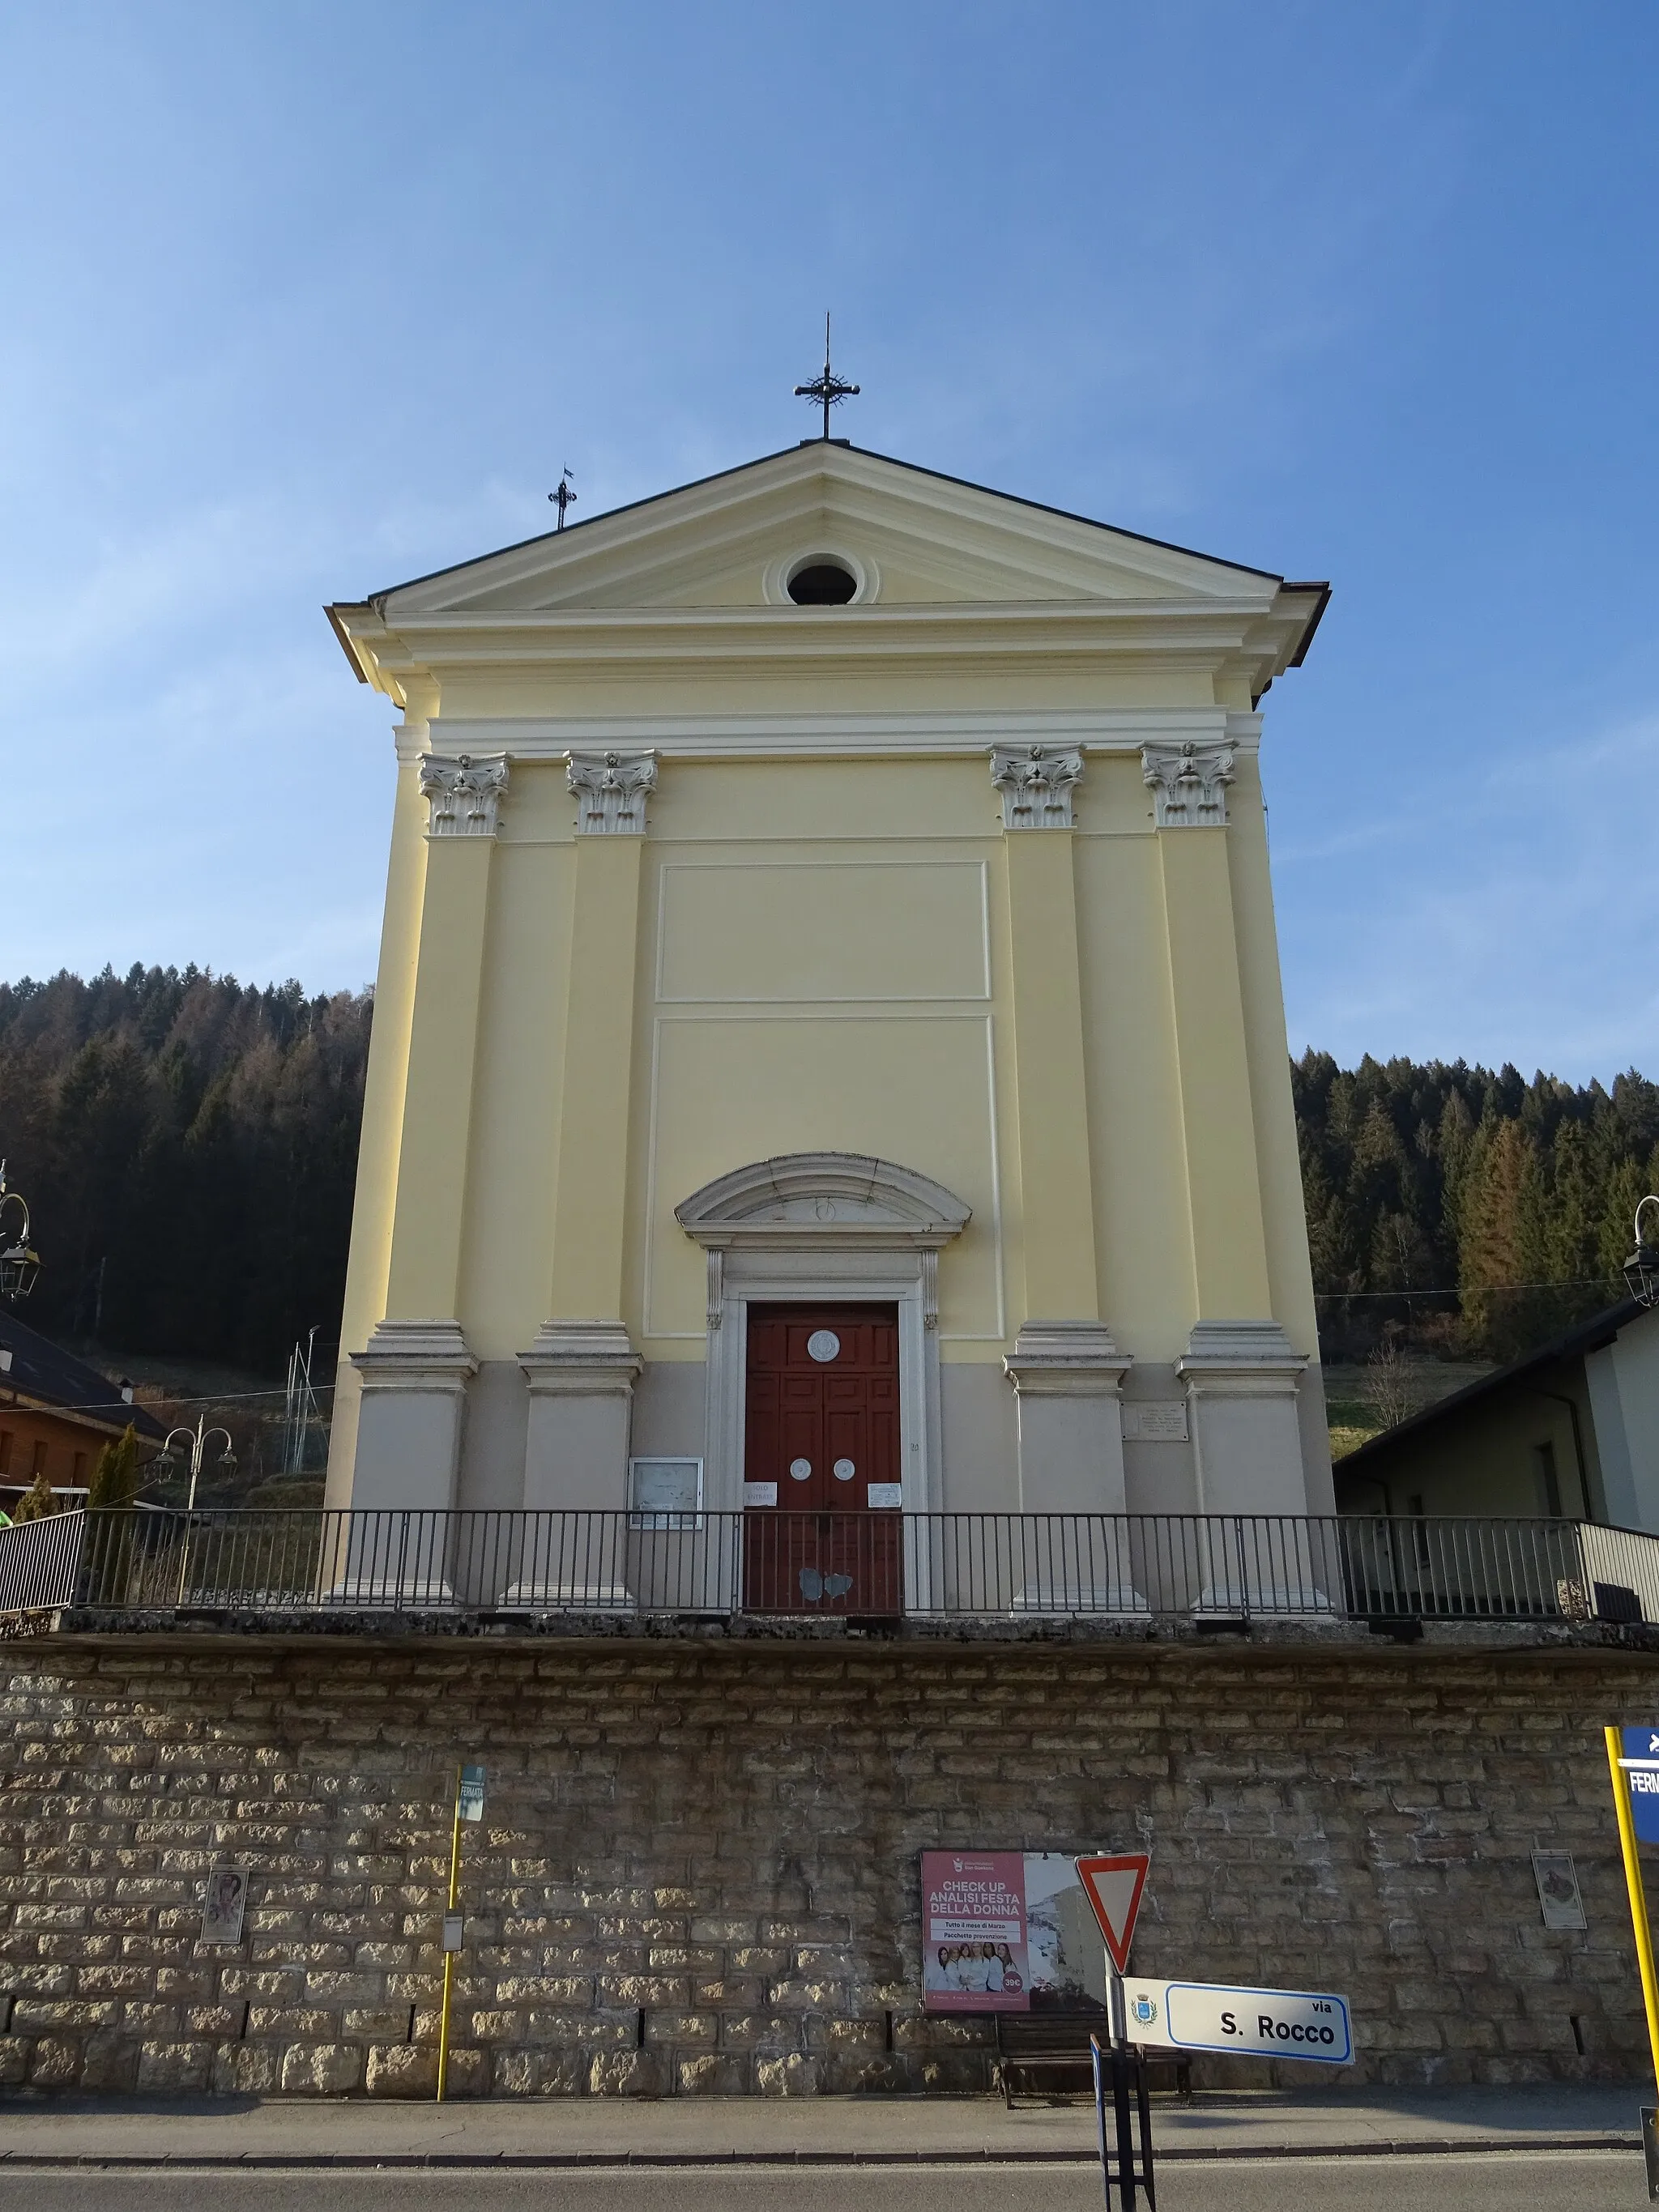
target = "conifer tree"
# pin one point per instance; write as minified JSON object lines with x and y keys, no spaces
{"x":38,"y":1501}
{"x":115,"y":1476}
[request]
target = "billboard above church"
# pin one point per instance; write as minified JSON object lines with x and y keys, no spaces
{"x":1007,"y":1931}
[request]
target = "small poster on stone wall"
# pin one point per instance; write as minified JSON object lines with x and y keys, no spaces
{"x":224,"y":1905}
{"x":1007,"y":1931}
{"x":1558,"y":1889}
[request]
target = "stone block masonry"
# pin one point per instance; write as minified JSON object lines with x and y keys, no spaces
{"x":697,"y":1871}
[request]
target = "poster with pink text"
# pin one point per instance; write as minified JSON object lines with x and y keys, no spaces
{"x":973,"y":1928}
{"x":1007,"y":1931}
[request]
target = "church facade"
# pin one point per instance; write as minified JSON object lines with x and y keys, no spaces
{"x":829,"y":1049}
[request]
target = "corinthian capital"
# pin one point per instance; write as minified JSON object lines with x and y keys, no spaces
{"x":465,"y":794}
{"x":1188,"y":783}
{"x":1036,"y":782}
{"x":611,"y":789}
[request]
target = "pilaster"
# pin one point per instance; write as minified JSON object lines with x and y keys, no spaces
{"x":1067,"y":1379}
{"x":464,"y":796}
{"x":413,"y":1371}
{"x":1056,"y":1184}
{"x":1223,"y":1183}
{"x":1066,"y":1370}
{"x":412,"y":1378}
{"x":1242,"y":1381}
{"x":386,"y":1087}
{"x":581,"y":1376}
{"x":582,"y":1367}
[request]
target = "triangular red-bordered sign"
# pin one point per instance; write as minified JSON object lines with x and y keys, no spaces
{"x":1113,"y":1882}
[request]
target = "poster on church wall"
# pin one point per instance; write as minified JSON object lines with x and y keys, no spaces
{"x":1007,"y":1931}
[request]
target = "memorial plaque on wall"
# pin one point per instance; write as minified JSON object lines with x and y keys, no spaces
{"x":1161,"y":1421}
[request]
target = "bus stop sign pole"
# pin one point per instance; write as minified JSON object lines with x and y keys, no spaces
{"x":1639,"y":1913}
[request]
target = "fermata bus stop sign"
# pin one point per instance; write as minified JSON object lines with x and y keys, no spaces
{"x":1641,"y":1766}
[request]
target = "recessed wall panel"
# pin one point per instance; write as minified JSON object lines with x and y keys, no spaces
{"x":916,"y":1089}
{"x":808,"y":931}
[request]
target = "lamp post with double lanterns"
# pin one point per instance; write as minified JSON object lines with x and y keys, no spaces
{"x":20,"y":1263}
{"x":165,"y":1463}
{"x":1642,"y":1268}
{"x":196,"y":1439}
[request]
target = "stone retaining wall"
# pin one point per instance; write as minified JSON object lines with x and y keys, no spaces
{"x":697,"y":1871}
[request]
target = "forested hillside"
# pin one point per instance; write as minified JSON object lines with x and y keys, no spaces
{"x":1480,"y":1211}
{"x":189,"y":1147}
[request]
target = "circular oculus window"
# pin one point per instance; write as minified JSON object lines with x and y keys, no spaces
{"x":800,"y":1469}
{"x":845,"y":1470}
{"x":820,"y":580}
{"x":824,"y":1346}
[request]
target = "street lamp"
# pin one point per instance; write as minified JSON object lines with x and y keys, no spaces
{"x":165,"y":1463}
{"x":20,"y":1263}
{"x":1642,"y":1268}
{"x":197,"y":1438}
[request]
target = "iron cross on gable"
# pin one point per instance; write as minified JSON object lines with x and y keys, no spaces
{"x":828,"y":390}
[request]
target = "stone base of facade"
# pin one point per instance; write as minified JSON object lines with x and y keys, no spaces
{"x":697,"y":1868}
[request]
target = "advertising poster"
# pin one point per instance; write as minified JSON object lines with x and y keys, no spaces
{"x":1007,"y":1931}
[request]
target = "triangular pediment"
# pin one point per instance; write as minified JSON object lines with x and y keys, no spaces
{"x":913,"y":538}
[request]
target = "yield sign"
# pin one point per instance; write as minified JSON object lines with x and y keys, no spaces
{"x":1113,"y":1885}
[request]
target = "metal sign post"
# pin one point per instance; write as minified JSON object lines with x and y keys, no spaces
{"x":1132,"y":2173}
{"x":469,"y":1805}
{"x":1113,"y":1883}
{"x":1638,"y":1766}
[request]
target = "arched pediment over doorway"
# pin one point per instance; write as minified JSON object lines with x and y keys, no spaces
{"x":837,"y":1227}
{"x":823,"y":1199}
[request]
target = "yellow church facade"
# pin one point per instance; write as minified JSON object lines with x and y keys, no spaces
{"x":829,"y":906}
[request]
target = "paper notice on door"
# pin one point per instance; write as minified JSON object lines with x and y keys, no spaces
{"x":887,"y":1493}
{"x":760,"y":1493}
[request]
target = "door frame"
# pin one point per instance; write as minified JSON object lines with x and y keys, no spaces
{"x":806,"y":1279}
{"x":835,"y":1228}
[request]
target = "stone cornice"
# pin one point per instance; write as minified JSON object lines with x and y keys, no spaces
{"x":966,"y":735}
{"x":1237,"y":640}
{"x":1067,"y":1358}
{"x":581,"y":1358}
{"x":416,"y":1355}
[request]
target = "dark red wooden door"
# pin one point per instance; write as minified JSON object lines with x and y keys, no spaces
{"x":821,"y":1531}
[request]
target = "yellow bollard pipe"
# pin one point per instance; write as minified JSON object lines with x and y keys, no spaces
{"x":1638,"y":1903}
{"x":449,"y":1956}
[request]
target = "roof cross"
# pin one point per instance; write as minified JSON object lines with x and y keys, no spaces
{"x":563,"y":497}
{"x":828,"y":390}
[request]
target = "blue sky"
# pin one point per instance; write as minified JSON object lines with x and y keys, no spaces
{"x":299,"y":300}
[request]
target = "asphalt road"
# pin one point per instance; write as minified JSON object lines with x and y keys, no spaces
{"x":1567,"y":2181}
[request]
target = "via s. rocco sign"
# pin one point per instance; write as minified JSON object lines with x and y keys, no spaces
{"x":1250,"y":2023}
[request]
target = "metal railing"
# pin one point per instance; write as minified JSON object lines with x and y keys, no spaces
{"x":40,"y":1563}
{"x":1010,"y":1566}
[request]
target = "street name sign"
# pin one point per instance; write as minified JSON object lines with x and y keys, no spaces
{"x":1113,"y":1882}
{"x":1250,"y":2023}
